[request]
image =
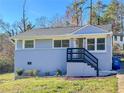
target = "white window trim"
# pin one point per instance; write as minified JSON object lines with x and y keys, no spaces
{"x":98,"y":51}
{"x":87,"y":44}
{"x":105,"y":45}
{"x":16,"y":45}
{"x":24,"y":44}
{"x":61,"y":43}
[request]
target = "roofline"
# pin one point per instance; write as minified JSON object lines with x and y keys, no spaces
{"x":89,"y":25}
{"x":96,"y":34}
{"x":78,"y":29}
{"x":70,"y":34}
{"x":67,"y":35}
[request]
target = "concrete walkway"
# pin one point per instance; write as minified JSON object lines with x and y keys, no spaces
{"x":120,"y":77}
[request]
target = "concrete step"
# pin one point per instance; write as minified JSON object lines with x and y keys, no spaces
{"x":106,"y":73}
{"x":80,"y":69}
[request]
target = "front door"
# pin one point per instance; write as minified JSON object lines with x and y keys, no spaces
{"x":80,"y":43}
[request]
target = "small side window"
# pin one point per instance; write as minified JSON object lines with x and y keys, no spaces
{"x":123,"y":46}
{"x":65,"y":43}
{"x":57,"y":43}
{"x":101,"y":44}
{"x":29,"y":63}
{"x":121,"y":38}
{"x":29,"y":44}
{"x":115,"y":38}
{"x":61,"y":43}
{"x":19,"y":44}
{"x":91,"y":44}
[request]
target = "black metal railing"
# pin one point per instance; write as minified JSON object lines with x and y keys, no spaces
{"x":82,"y":55}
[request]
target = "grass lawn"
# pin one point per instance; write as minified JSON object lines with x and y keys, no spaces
{"x":122,"y":59}
{"x":57,"y":85}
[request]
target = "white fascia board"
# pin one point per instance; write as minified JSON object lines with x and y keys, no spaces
{"x":59,"y":36}
{"x":90,"y":25}
{"x":78,"y":30}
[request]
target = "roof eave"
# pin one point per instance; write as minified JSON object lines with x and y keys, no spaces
{"x":54,"y":36}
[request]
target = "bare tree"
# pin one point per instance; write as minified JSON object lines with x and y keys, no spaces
{"x":25,"y":25}
{"x":74,"y":12}
{"x":91,"y":11}
{"x":7,"y":28}
{"x":57,"y":21}
{"x":6,"y":54}
{"x":19,"y":26}
{"x":24,"y":16}
{"x":42,"y":22}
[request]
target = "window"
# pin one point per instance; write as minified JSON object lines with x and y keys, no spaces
{"x":123,"y":46}
{"x":61,"y":43}
{"x":29,"y":44}
{"x":29,"y":63}
{"x":19,"y":44}
{"x":115,"y":37}
{"x":96,"y":44}
{"x":65,"y":43}
{"x":91,"y":44}
{"x":57,"y":43}
{"x":100,"y":43}
{"x":121,"y":38}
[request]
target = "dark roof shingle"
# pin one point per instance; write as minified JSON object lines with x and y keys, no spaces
{"x":49,"y":31}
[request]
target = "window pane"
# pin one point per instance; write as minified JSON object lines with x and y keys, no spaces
{"x":101,"y":44}
{"x":91,"y":47}
{"x":29,"y":44}
{"x":101,"y":40}
{"x":57,"y":43}
{"x":115,"y":38}
{"x":65,"y":43}
{"x":121,"y":38}
{"x":91,"y":44}
{"x":100,"y":47}
{"x":91,"y":41}
{"x":123,"y":46}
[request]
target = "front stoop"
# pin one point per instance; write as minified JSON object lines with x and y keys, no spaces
{"x":106,"y":73}
{"x":80,"y":69}
{"x":83,"y":69}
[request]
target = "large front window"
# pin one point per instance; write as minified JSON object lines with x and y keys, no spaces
{"x":96,"y":44}
{"x":100,"y":43}
{"x":29,"y":43}
{"x":91,"y":44}
{"x":61,"y":43}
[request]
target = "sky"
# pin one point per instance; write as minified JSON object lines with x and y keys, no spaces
{"x":11,"y":10}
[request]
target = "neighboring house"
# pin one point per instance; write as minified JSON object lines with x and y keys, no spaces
{"x":76,"y":51}
{"x":118,"y":39}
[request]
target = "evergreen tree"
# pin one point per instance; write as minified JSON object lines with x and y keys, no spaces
{"x":111,"y":15}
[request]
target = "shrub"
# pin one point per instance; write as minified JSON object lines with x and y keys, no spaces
{"x":47,"y":73}
{"x":19,"y":71}
{"x":6,"y":66}
{"x":58,"y":72}
{"x":31,"y":72}
{"x":28,"y":73}
{"x":35,"y":72}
